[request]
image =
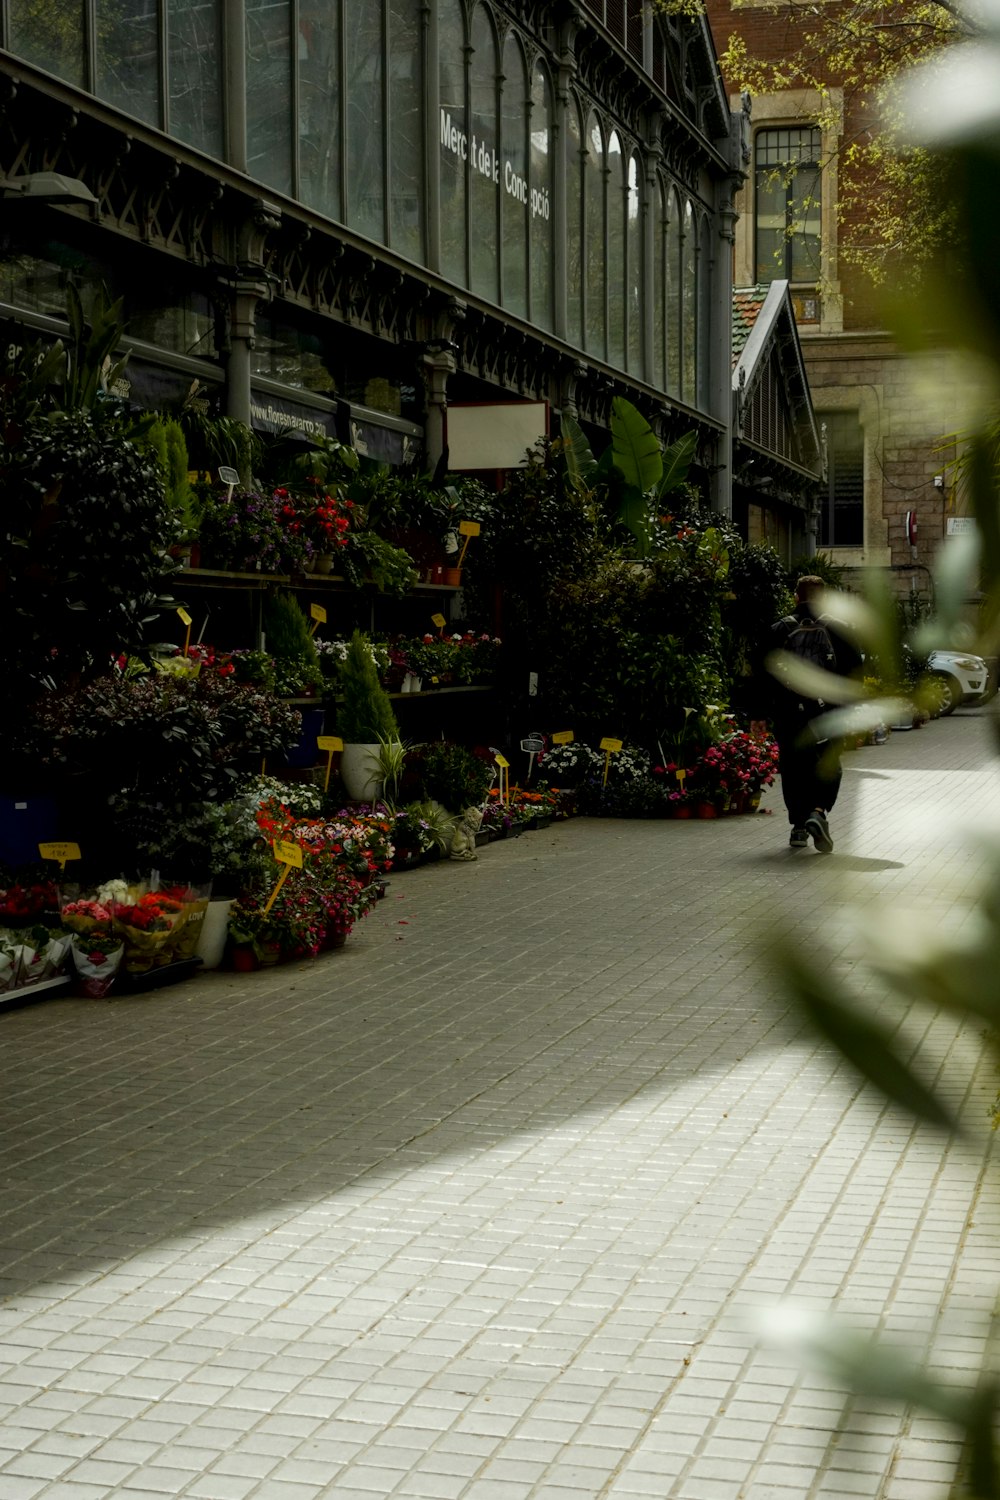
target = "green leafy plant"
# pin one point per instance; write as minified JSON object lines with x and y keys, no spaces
{"x":452,"y":774}
{"x":286,"y":631}
{"x":368,"y":557}
{"x":646,"y":472}
{"x":364,"y":716}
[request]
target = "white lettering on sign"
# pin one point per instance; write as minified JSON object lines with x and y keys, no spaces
{"x":486,"y":162}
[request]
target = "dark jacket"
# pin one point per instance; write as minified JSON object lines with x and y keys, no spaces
{"x":772,"y":699}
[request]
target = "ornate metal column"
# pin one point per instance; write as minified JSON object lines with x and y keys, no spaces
{"x":723,"y":404}
{"x":242,"y":286}
{"x":438,"y":362}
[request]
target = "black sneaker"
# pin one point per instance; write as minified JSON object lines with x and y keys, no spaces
{"x":819,"y":828}
{"x":799,"y":838}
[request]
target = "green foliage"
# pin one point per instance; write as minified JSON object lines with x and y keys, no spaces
{"x":895,"y":198}
{"x":165,"y":439}
{"x":365,"y":716}
{"x":369,"y":558}
{"x":90,"y":373}
{"x":88,"y":535}
{"x":758,"y":594}
{"x":819,"y":565}
{"x":289,"y":643}
{"x":449,"y":773}
{"x":215,"y":441}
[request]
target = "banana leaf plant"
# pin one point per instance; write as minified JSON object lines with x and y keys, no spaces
{"x":635,"y":467}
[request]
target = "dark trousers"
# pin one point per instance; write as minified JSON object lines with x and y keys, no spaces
{"x":810,"y":772}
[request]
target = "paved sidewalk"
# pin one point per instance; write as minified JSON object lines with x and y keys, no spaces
{"x":471,"y":1209}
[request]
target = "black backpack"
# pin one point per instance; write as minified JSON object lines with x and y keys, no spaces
{"x":808,"y":639}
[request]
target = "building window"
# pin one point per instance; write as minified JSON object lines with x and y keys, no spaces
{"x":484,"y":199}
{"x":842,"y":514}
{"x":634,"y":265}
{"x":454,"y":144}
{"x":617,"y":268}
{"x":269,"y":87}
{"x":319,"y":123}
{"x":541,"y":197}
{"x":595,"y":242}
{"x":364,"y":64}
{"x":512,"y":186}
{"x":787,"y":204}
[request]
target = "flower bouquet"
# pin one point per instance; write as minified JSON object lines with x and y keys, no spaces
{"x":97,"y":957}
{"x":85,"y":915}
{"x":144,"y":923}
{"x":29,"y":946}
{"x":8,"y":962}
{"x":26,"y":902}
{"x":193,"y":903}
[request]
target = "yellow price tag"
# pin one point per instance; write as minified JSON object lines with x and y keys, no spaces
{"x":318,"y":613}
{"x":468,"y":529}
{"x":59,"y":852}
{"x":439,"y":621}
{"x":288,"y":854}
{"x":681,"y":776}
{"x":184,"y":617}
{"x":502,"y":762}
{"x":329,"y":743}
{"x":611,"y":744}
{"x":564,"y":737}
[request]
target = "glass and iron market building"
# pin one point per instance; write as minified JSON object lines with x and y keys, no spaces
{"x":353,"y":215}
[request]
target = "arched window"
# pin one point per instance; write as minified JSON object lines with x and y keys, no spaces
{"x":616,"y":251}
{"x":660,"y":323}
{"x":364,"y":55}
{"x":455,"y":140}
{"x":594,"y":241}
{"x":319,"y":111}
{"x":485,"y":157}
{"x":674,"y":324}
{"x":634,"y":300}
{"x":513,"y":184}
{"x":540,"y":197}
{"x":704,"y":354}
{"x":689,"y":305}
{"x":269,"y":88}
{"x":575,"y":181}
{"x":406,"y":131}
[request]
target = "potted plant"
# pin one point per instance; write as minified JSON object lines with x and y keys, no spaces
{"x":365,"y":720}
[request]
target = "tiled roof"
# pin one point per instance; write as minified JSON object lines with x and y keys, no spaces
{"x":747,"y":303}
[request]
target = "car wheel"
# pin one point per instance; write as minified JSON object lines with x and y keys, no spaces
{"x":949,"y":692}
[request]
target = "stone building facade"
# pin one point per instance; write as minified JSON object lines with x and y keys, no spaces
{"x":885,"y":420}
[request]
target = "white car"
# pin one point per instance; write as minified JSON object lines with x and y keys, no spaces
{"x":959,"y":679}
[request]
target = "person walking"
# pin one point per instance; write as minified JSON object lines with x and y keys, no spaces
{"x":809,"y":766}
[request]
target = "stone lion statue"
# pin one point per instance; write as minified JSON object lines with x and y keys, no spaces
{"x":463,"y":843}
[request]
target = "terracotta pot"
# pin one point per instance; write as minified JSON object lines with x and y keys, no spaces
{"x":452,"y":577}
{"x":682,"y":810}
{"x":244,"y":959}
{"x":706,"y":810}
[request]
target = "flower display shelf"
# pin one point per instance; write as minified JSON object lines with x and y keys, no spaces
{"x":27,"y":994}
{"x":220,"y":578}
{"x":155,"y":979}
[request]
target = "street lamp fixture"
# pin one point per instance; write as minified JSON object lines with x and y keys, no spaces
{"x":45,"y":187}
